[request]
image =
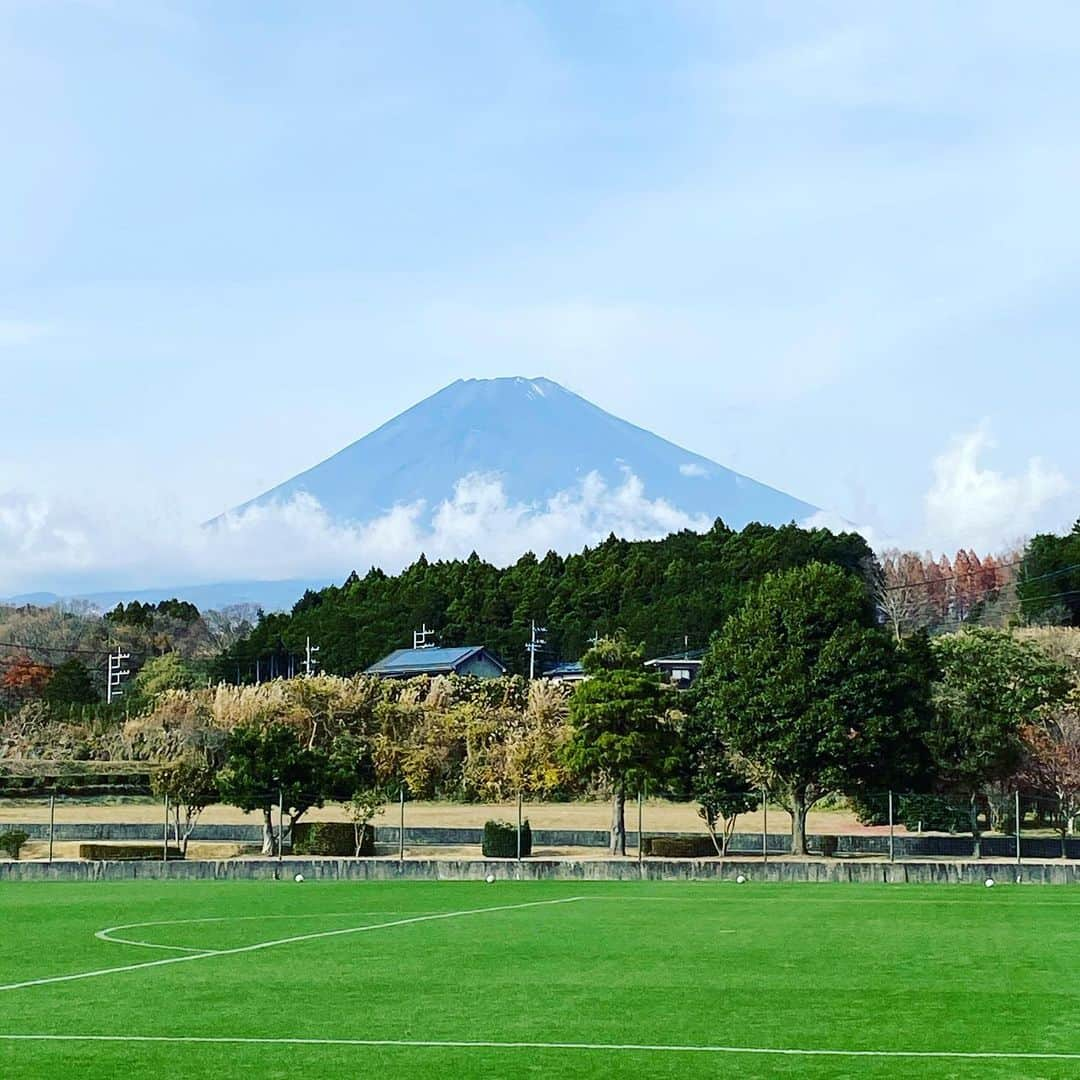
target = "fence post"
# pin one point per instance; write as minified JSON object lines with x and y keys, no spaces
{"x":1018,"y":827}
{"x":52,"y":823}
{"x":165,"y":833}
{"x":280,"y":824}
{"x":640,"y":834}
{"x":764,"y":825}
{"x":892,"y":838}
{"x":519,"y":827}
{"x":401,"y":828}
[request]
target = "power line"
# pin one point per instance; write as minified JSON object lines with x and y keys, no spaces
{"x":64,"y":649}
{"x":991,"y":588}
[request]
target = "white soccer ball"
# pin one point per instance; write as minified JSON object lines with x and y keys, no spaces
{"x":298,"y":878}
{"x":741,"y":879}
{"x":490,"y":879}
{"x":989,"y":883}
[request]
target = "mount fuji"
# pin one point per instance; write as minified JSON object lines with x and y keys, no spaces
{"x":539,"y":439}
{"x":499,"y":466}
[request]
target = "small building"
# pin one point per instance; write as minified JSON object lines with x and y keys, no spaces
{"x":463,"y":660}
{"x":680,"y":669}
{"x":570,"y":672}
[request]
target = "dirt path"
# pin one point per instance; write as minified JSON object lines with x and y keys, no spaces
{"x":659,"y":816}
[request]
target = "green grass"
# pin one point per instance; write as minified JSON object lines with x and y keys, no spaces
{"x":846,"y":967}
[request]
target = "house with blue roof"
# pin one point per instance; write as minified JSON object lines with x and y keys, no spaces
{"x":569,"y":671}
{"x":463,"y":660}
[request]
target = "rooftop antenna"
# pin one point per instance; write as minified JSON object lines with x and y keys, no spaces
{"x":535,"y":644}
{"x":420,"y":638}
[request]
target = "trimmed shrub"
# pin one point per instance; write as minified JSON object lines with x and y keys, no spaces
{"x":829,"y":845}
{"x":330,"y":838}
{"x":933,"y":813}
{"x":500,"y":840}
{"x":77,"y":782}
{"x":11,"y":842}
{"x":119,"y":852}
{"x":872,"y":809}
{"x":679,"y":847}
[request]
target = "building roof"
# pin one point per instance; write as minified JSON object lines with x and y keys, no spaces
{"x":567,"y":668}
{"x":692,"y":656}
{"x":429,"y":661}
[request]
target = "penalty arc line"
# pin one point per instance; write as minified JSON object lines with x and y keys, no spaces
{"x":480,"y":1044}
{"x":106,"y":934}
{"x":188,"y":957}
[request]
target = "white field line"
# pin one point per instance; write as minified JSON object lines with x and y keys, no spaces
{"x":752,"y":898}
{"x":187,"y":957}
{"x":106,"y":934}
{"x":481,"y":1044}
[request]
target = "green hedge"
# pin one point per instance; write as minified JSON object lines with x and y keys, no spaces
{"x":501,"y":840}
{"x":118,"y":852}
{"x":933,"y":813}
{"x":330,"y":838}
{"x":85,"y":784}
{"x":11,"y":842}
{"x":679,"y":847}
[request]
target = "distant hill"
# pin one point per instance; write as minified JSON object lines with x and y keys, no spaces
{"x":268,"y":595}
{"x":540,"y":439}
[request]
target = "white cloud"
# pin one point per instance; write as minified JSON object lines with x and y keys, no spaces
{"x":969,"y":505}
{"x":692,"y":468}
{"x":63,"y":547}
{"x":828,"y":519}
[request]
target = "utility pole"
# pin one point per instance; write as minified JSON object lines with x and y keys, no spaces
{"x":117,"y":674}
{"x":536,"y":643}
{"x":310,"y":663}
{"x":420,"y":638}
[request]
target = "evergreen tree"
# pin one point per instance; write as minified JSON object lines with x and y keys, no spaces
{"x":809,"y":692}
{"x":620,"y":732}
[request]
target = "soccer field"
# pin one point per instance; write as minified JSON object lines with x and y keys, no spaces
{"x":404,"y":979}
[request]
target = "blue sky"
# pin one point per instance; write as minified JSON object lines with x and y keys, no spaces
{"x":833,"y":246}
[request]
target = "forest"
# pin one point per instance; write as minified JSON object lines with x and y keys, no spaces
{"x":663,"y":593}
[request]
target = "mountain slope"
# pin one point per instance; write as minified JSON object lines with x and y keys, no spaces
{"x":540,"y":439}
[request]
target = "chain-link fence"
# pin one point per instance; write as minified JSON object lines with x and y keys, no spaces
{"x":900,"y":826}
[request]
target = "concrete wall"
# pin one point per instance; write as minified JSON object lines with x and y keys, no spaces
{"x":906,"y":847}
{"x":821,"y":870}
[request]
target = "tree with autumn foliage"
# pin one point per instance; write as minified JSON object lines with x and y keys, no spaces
{"x":1051,"y":762}
{"x":24,"y":679}
{"x":923,"y":592}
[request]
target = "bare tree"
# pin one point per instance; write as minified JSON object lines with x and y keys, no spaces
{"x":901,"y":591}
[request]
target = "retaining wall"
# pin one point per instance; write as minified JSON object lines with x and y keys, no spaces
{"x":819,"y":870}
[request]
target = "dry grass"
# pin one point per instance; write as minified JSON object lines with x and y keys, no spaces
{"x":660,"y":816}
